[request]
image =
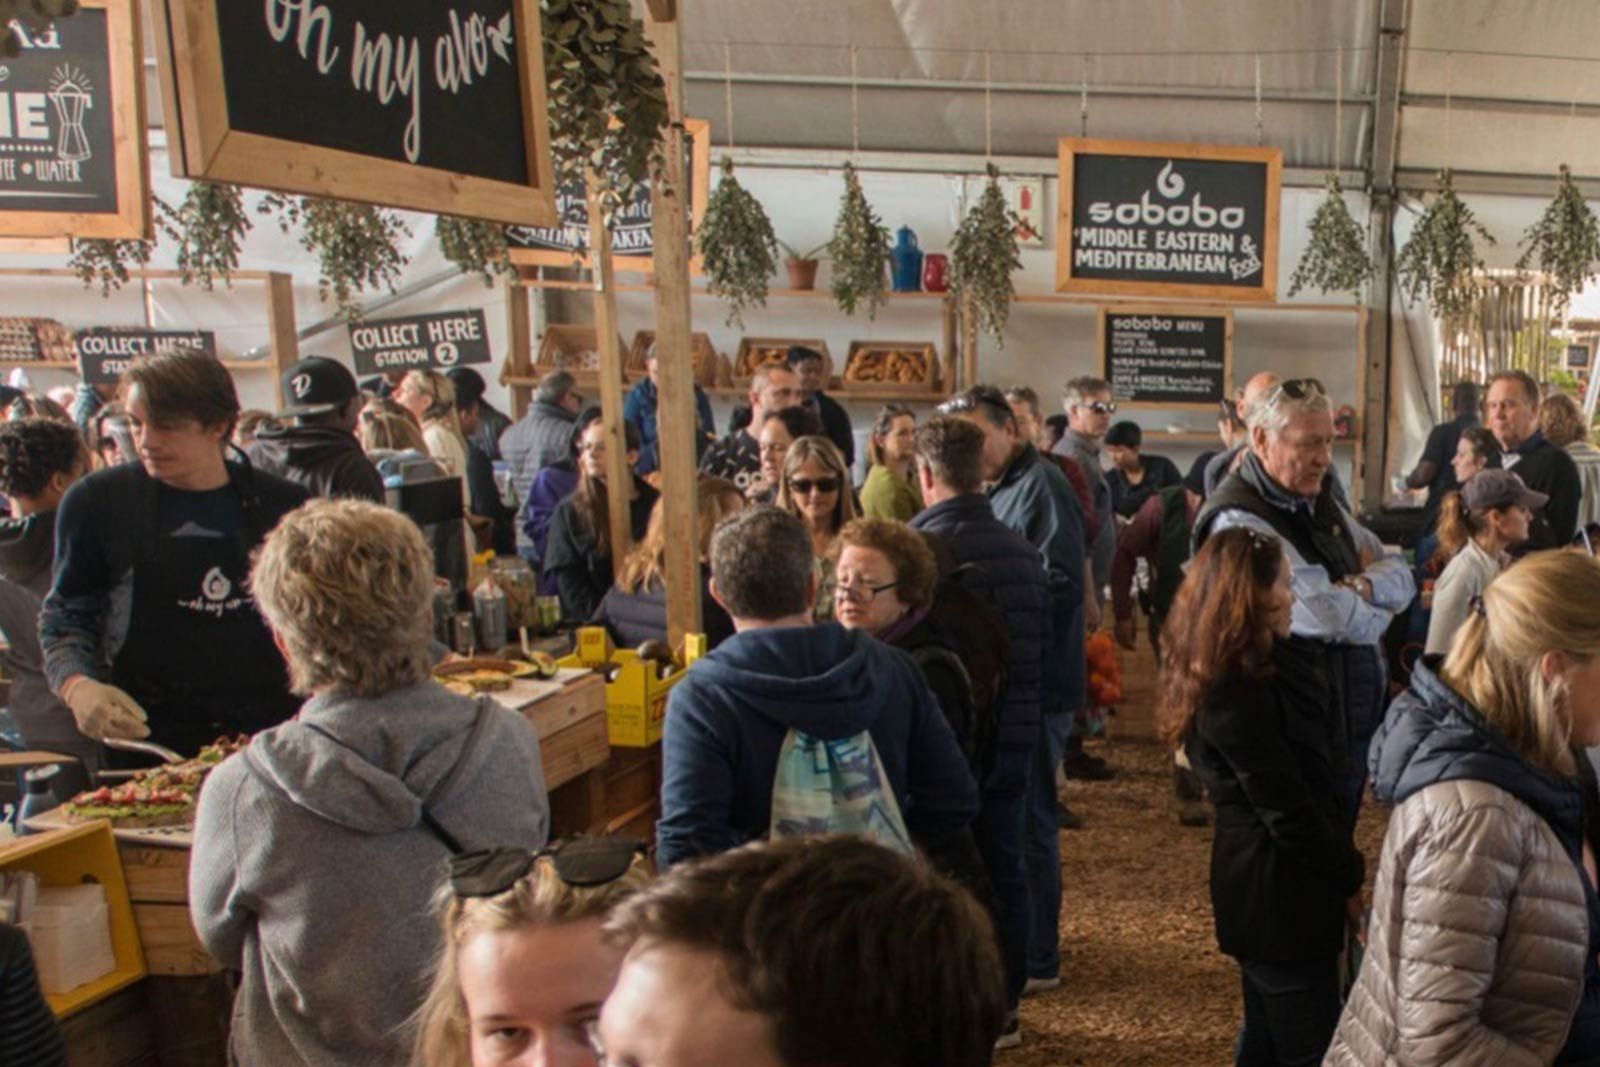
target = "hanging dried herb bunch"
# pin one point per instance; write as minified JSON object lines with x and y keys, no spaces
{"x":108,"y":262}
{"x":982,"y":257}
{"x":476,"y":246}
{"x":1439,"y":257}
{"x":859,"y":250}
{"x":34,"y":16}
{"x":607,"y":102}
{"x":357,"y":245}
{"x":738,"y":250}
{"x":1565,"y":242}
{"x":210,"y":227}
{"x":1335,"y":259}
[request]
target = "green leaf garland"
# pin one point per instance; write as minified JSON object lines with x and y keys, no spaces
{"x":1335,"y":259}
{"x":1439,"y":257}
{"x":738,"y":250}
{"x":356,"y":245}
{"x":859,"y":250}
{"x":210,"y":227}
{"x":1565,"y":242}
{"x":476,"y":246}
{"x":983,"y":256}
{"x":107,"y":262}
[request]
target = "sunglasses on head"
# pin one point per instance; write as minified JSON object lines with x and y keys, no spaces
{"x":1299,"y":389}
{"x":804,"y":486}
{"x":1102,"y":407}
{"x":580,"y":862}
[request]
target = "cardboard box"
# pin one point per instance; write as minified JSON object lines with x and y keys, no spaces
{"x":636,"y":690}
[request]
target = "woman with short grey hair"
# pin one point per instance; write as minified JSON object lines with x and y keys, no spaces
{"x":318,"y":847}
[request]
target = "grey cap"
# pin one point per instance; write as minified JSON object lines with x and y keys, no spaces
{"x":1495,"y":488}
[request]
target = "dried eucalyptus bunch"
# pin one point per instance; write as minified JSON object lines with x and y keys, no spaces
{"x":859,"y":250}
{"x":476,"y":246}
{"x":983,"y":255}
{"x":607,"y":102}
{"x":738,"y":249}
{"x":107,"y":262}
{"x":34,"y":16}
{"x":1335,"y":259}
{"x":1439,"y":257}
{"x":210,"y":227}
{"x":1565,"y":242}
{"x":356,"y":245}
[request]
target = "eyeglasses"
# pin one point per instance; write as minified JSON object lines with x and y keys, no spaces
{"x":580,"y":862}
{"x":972,"y":401}
{"x":861,"y":592}
{"x":1101,"y":407}
{"x":805,"y":486}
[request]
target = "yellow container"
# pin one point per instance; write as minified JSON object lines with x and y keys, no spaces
{"x":636,"y":691}
{"x":70,"y":857}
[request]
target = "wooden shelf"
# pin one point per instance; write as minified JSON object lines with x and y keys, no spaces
{"x":572,"y":285}
{"x":845,"y":396}
{"x":1197,"y":305}
{"x":55,"y":364}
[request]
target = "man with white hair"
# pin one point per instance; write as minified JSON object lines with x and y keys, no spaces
{"x":1347,"y":588}
{"x":1089,"y":409}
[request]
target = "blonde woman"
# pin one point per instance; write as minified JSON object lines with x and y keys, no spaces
{"x":431,"y":397}
{"x":524,"y":966}
{"x":1485,"y":930}
{"x":318,"y":848}
{"x":635,"y":609}
{"x":816,"y":488}
{"x":1563,"y":424}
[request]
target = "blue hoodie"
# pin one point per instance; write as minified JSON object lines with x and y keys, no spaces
{"x":727,"y":719}
{"x":1432,"y":734}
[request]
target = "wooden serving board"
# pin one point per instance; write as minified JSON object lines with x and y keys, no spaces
{"x":170,"y":836}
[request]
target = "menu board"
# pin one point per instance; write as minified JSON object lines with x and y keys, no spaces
{"x":104,"y":352}
{"x":439,"y":341}
{"x":633,"y":241}
{"x":434,"y":105}
{"x":72,"y":159}
{"x":1166,"y":357}
{"x":1168,"y":219}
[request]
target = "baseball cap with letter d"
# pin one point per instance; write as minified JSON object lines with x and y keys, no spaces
{"x":317,"y":385}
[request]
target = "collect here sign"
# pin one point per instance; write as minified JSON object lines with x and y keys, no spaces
{"x":441,"y":341}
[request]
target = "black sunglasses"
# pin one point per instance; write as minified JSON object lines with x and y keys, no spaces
{"x":1102,"y":407}
{"x":1301,"y":388}
{"x":803,"y":486}
{"x":581,"y":862}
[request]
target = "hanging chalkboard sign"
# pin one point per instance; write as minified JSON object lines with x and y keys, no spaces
{"x":440,"y":341}
{"x":73,"y":161}
{"x":1168,"y":219}
{"x":632,"y":234}
{"x":104,"y":352}
{"x":422,"y":104}
{"x":1167,"y":357}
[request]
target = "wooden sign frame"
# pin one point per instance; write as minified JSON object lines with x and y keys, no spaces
{"x":699,"y":133}
{"x":1070,"y":148}
{"x":203,"y":146}
{"x":131,"y":220}
{"x":1176,"y":311}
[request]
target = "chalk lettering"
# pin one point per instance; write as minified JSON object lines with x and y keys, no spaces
{"x":305,"y":17}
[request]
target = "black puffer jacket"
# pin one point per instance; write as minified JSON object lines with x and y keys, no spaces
{"x":634,"y":618}
{"x":326,"y":460}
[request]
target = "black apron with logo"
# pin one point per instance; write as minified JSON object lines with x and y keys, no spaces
{"x":198,"y":656}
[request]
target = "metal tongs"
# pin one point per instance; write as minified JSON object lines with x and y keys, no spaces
{"x":143,"y":748}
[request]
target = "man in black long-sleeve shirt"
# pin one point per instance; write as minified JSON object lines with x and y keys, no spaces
{"x":1544,"y":468}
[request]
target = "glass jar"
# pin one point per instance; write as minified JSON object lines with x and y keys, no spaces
{"x":516,"y":579}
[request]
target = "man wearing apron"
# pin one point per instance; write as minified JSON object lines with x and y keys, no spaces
{"x":149,"y":629}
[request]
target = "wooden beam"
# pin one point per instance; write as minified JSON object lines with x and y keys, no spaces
{"x":969,"y":344}
{"x":285,"y":339}
{"x":519,"y":348}
{"x":676,"y":419}
{"x":619,"y":478}
{"x":662,"y":12}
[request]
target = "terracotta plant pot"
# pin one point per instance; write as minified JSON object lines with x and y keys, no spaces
{"x":802,"y":273}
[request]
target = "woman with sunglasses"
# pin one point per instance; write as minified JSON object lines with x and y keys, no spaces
{"x":524,"y":966}
{"x":816,"y":489}
{"x":318,"y":848}
{"x":1251,"y":708}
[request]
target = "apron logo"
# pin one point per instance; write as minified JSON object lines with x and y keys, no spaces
{"x":216,"y":586}
{"x":301,"y":385}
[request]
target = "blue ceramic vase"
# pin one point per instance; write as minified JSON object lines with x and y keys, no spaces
{"x":905,"y":262}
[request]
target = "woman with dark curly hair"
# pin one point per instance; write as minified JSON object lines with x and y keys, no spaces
{"x":39,"y":459}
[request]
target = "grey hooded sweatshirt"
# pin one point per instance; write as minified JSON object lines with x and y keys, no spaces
{"x":312,"y":873}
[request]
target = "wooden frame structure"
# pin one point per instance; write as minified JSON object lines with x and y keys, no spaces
{"x":1072,"y":147}
{"x":131,"y":220}
{"x":205,"y":146}
{"x":1167,"y":309}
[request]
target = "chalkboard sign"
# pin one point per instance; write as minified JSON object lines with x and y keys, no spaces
{"x":1168,"y":219}
{"x":1577,"y":357}
{"x":1166,"y":357}
{"x":633,"y":240}
{"x":72,"y":144}
{"x":435,"y":105}
{"x":104,"y":352}
{"x":441,"y":341}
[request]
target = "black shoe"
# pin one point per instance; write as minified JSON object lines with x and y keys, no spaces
{"x":1067,"y":819}
{"x":1194,"y":813}
{"x":1086,"y":768}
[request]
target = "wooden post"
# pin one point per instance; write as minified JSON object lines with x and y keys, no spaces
{"x":676,"y":419}
{"x":969,"y":345}
{"x":519,"y":347}
{"x":619,"y":478}
{"x":281,"y":326}
{"x":947,"y":309}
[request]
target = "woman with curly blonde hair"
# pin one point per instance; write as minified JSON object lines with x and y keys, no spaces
{"x":328,"y":834}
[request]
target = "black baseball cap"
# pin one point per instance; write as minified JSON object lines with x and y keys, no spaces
{"x":317,"y":385}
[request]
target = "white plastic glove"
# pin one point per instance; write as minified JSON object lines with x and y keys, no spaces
{"x":104,"y":711}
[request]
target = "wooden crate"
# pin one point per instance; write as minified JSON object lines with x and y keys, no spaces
{"x":879,"y":366}
{"x":571,"y":726}
{"x":171,"y":946}
{"x":757,"y":352}
{"x":701,"y":352}
{"x":572,"y":348}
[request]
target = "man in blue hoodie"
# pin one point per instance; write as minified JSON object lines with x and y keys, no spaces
{"x":728,"y":719}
